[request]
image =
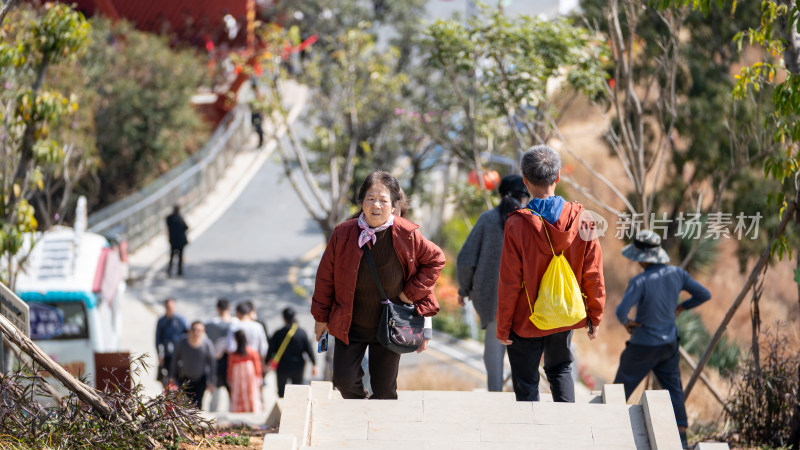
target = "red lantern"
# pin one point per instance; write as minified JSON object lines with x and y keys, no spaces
{"x":491,"y":179}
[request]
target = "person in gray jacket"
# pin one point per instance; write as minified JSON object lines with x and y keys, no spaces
{"x":478,"y":269}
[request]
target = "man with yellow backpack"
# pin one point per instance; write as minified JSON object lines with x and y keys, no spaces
{"x":551,"y":281}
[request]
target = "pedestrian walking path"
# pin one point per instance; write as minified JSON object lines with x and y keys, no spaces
{"x":316,"y":417}
{"x":213,"y":267}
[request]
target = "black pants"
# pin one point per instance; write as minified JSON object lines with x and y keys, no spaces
{"x":222,"y":372}
{"x":664,"y":360}
{"x":173,"y":252}
{"x":285,"y":375}
{"x":347,"y":371}
{"x":194,"y":389}
{"x":524,"y":354}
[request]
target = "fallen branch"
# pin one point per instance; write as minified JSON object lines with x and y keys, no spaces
{"x":689,"y":360}
{"x":26,"y":345}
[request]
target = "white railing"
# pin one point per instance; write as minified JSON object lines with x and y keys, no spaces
{"x":140,"y":216}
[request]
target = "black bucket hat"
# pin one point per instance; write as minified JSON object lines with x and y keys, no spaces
{"x":513,"y":184}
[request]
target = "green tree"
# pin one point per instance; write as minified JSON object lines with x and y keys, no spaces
{"x":32,"y":42}
{"x":143,"y":121}
{"x":355,"y":91}
{"x":684,"y":142}
{"x":490,"y":87}
{"x":778,"y":36}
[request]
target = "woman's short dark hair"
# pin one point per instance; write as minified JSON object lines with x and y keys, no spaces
{"x":399,"y":200}
{"x":241,"y":342}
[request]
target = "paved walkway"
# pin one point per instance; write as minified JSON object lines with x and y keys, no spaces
{"x":229,"y":255}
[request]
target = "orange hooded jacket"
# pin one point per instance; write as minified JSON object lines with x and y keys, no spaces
{"x":526,"y":255}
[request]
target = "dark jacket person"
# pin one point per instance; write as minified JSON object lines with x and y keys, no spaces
{"x":291,"y":362}
{"x":177,"y":238}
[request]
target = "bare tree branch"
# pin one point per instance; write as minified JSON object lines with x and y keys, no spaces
{"x":5,"y":9}
{"x":591,"y":196}
{"x":789,"y":214}
{"x":594,"y":173}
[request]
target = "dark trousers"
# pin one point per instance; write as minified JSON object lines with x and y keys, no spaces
{"x":194,"y":389}
{"x":179,"y":253}
{"x":637,"y":360}
{"x":294,"y":375}
{"x":347,"y":371}
{"x":525,"y":355}
{"x":222,"y":372}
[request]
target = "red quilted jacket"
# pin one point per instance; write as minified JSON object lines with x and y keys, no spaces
{"x":332,"y":302}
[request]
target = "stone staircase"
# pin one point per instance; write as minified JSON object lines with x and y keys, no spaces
{"x":317,"y":417}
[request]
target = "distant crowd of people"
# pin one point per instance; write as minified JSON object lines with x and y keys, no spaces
{"x":231,"y":352}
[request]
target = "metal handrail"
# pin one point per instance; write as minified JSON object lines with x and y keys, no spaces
{"x":140,"y":216}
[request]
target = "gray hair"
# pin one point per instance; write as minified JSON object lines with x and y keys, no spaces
{"x":540,"y":165}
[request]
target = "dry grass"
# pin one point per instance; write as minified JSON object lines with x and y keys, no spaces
{"x":433,"y":377}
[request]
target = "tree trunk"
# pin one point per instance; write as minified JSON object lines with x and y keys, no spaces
{"x":5,"y":9}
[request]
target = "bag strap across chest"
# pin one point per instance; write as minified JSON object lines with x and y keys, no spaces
{"x":374,"y":271}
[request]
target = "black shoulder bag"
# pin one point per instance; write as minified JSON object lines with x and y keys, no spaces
{"x":401,"y":328}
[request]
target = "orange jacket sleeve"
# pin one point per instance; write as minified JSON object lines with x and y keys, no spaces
{"x":592,"y":282}
{"x":510,"y":283}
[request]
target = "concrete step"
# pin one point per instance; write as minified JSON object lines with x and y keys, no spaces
{"x":316,"y":417}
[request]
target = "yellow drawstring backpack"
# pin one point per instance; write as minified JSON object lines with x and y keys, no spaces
{"x":560,"y":300}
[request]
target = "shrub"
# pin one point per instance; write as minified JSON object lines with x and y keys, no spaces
{"x":143,"y":119}
{"x":31,"y":418}
{"x":231,"y":439}
{"x":765,"y":397}
{"x":695,"y":338}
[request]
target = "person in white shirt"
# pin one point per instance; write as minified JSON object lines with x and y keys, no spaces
{"x":256,"y":336}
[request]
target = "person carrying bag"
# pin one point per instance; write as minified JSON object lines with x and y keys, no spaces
{"x":289,"y":351}
{"x":401,"y":328}
{"x":347,"y":300}
{"x":273,"y":362}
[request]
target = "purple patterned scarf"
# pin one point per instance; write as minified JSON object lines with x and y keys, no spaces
{"x":368,"y":233}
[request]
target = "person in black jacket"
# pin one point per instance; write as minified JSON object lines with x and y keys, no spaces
{"x":290,"y":364}
{"x":177,"y":239}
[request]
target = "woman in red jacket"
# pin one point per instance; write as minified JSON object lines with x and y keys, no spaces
{"x":346,"y":301}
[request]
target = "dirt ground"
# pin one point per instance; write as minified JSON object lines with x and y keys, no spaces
{"x":256,"y":439}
